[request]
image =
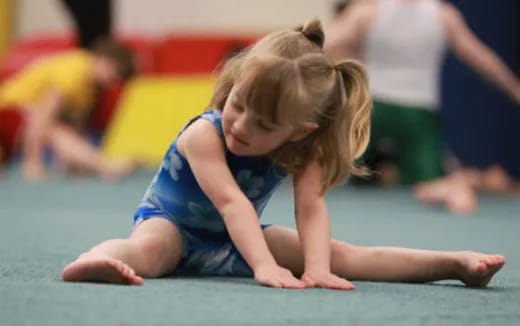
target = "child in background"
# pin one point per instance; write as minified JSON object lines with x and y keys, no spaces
{"x":280,"y":108}
{"x":52,"y":98}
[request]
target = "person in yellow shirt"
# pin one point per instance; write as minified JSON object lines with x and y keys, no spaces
{"x":55,"y":95}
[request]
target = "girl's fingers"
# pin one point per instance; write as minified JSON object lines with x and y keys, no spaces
{"x":332,"y":282}
{"x":293,"y":284}
{"x":308,"y":282}
{"x":282,"y":283}
{"x":340,"y":284}
{"x":271,"y":283}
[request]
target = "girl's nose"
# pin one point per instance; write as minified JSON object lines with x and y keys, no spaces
{"x":240,"y":127}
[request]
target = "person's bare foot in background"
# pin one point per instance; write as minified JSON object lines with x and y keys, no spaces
{"x":108,"y":170}
{"x":114,"y":170}
{"x":496,"y":180}
{"x":455,"y":192}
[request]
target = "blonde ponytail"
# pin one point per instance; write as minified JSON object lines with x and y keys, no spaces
{"x":358,"y":104}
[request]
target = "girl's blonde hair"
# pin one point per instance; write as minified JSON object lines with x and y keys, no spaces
{"x":287,"y":78}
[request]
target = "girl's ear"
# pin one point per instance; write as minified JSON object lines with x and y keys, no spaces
{"x":302,"y":132}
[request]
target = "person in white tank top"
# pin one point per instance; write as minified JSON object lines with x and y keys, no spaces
{"x":403,"y":43}
{"x":407,"y":38}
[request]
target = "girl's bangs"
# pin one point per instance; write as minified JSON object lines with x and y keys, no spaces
{"x":270,"y":89}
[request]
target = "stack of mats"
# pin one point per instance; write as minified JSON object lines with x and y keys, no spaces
{"x":152,"y":112}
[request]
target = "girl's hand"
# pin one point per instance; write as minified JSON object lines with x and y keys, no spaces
{"x":277,"y":277}
{"x":326,"y":280}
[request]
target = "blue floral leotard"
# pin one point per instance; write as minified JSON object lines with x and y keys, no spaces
{"x":175,"y":195}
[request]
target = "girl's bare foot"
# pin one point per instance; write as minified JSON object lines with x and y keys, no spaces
{"x":100,"y":269}
{"x":477,"y":269}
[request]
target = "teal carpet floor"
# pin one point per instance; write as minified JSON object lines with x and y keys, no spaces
{"x":46,"y":225}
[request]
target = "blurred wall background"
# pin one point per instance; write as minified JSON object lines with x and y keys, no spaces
{"x":482,"y":125}
{"x":160,"y":16}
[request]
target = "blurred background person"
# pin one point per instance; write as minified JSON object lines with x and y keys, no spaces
{"x":55,"y":94}
{"x":403,"y":44}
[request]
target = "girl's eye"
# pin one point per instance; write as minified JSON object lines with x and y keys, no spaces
{"x":238,"y":107}
{"x":264,"y":127}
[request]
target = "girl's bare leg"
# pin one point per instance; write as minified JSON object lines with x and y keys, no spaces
{"x":388,"y":263}
{"x":74,"y":150}
{"x":153,"y":250}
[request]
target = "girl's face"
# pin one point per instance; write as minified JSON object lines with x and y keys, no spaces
{"x":248,"y":134}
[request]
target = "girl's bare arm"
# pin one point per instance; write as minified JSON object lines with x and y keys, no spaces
{"x":204,"y":150}
{"x":312,"y":221}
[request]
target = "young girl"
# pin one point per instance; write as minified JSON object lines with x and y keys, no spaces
{"x":281,"y":107}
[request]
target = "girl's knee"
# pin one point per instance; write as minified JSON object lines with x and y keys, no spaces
{"x":152,"y":245}
{"x":160,"y":253}
{"x":341,"y":249}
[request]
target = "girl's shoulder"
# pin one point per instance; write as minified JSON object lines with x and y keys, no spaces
{"x":213,"y":116}
{"x":203,"y":133}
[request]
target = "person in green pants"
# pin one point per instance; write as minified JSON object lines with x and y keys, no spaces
{"x":415,"y":133}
